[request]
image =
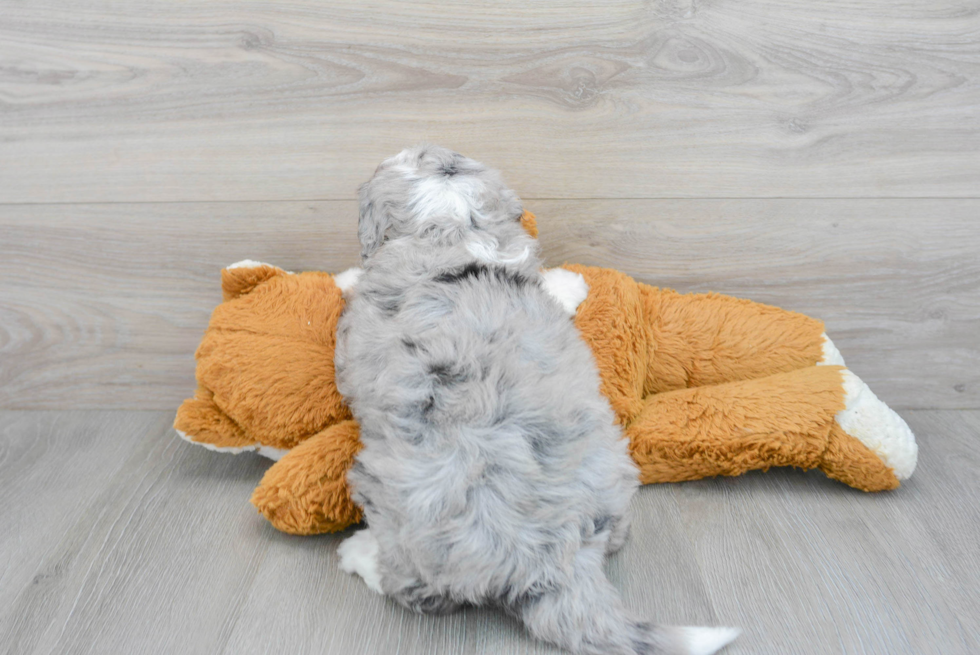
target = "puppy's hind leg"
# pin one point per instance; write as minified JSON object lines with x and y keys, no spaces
{"x":403,"y":584}
{"x":360,"y":554}
{"x":421,"y":598}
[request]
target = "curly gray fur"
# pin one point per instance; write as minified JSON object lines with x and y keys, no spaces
{"x":493,"y":471}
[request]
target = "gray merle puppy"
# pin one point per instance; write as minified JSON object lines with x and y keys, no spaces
{"x":493,"y":471}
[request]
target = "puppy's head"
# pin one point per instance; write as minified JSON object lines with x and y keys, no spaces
{"x":436,"y":195}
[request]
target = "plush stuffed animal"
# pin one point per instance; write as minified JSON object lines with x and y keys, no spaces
{"x":703,"y":385}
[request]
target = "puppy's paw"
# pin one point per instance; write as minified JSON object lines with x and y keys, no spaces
{"x":359,"y":554}
{"x":568,"y":288}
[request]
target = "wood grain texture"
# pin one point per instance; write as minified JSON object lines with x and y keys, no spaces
{"x":846,"y":572}
{"x":230,"y":100}
{"x":104,"y":305}
{"x":739,"y":146}
{"x":120,"y":538}
{"x":146,"y":546}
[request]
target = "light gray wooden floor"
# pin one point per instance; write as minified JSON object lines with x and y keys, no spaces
{"x":821,"y":156}
{"x":119,"y":538}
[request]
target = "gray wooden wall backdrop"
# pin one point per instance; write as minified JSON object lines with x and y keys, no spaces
{"x":822,"y":156}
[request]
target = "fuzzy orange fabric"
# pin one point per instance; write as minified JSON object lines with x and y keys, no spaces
{"x":849,"y":461}
{"x":306,"y":491}
{"x":611,"y":321}
{"x":530,"y":224}
{"x":648,"y":340}
{"x":699,"y":339}
{"x":785,"y":419}
{"x":703,"y":385}
{"x":265,"y":366}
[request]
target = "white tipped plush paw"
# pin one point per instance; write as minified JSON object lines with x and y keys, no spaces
{"x":568,"y":288}
{"x":877,"y":426}
{"x":359,"y":554}
{"x":831,"y":356}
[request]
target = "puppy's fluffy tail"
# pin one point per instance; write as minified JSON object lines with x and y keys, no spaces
{"x":587,"y":617}
{"x":697,"y":641}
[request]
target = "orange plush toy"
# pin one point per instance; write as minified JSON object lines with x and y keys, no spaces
{"x":703,"y":385}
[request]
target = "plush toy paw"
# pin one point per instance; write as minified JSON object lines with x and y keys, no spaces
{"x":872,"y":422}
{"x":831,"y":356}
{"x":359,"y":555}
{"x":877,"y":426}
{"x":307,"y":492}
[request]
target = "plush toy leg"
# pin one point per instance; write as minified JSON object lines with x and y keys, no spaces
{"x":849,"y":461}
{"x":306,"y":491}
{"x":703,"y":339}
{"x":786,"y":419}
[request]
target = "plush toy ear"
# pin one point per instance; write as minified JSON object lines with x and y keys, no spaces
{"x":530,"y":224}
{"x":241,"y":277}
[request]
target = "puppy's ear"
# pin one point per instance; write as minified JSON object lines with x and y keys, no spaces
{"x":373,"y":222}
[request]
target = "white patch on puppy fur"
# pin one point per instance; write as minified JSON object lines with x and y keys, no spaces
{"x":831,"y":356}
{"x":348,"y":279}
{"x":878,"y":427}
{"x":359,"y":554}
{"x":706,"y":641}
{"x":444,"y":196}
{"x":568,"y":288}
{"x":487,"y":253}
